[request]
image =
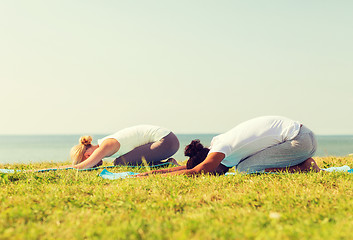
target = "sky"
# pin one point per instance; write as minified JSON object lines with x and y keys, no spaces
{"x":86,"y":67}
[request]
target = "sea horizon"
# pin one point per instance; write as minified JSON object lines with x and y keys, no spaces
{"x":34,"y":148}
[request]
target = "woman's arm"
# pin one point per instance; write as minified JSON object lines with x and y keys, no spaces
{"x":107,"y":148}
{"x":210,"y":164}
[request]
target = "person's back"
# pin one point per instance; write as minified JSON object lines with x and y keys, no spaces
{"x":132,"y":137}
{"x":253,"y":136}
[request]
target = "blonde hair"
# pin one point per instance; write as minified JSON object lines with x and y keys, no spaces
{"x":79,"y":150}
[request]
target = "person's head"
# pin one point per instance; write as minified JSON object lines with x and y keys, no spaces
{"x":82,"y":151}
{"x":196,"y":153}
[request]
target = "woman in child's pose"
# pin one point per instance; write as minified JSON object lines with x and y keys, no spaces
{"x":128,"y":146}
{"x":263,"y":144}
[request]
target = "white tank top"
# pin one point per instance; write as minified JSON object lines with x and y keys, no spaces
{"x":132,"y":137}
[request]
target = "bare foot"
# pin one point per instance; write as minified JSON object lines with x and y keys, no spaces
{"x":307,"y":166}
{"x":98,"y":164}
{"x":173,"y":161}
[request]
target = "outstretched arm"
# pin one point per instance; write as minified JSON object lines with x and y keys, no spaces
{"x":162,"y":171}
{"x":210,"y":164}
{"x":107,"y":148}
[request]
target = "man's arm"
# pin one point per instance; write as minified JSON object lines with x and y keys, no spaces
{"x":210,"y":164}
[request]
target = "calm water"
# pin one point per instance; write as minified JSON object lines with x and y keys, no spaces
{"x":46,"y":148}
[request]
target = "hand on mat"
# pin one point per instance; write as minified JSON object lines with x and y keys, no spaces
{"x":153,"y":172}
{"x":143,"y":174}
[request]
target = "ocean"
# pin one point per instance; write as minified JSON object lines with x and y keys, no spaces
{"x":55,"y":148}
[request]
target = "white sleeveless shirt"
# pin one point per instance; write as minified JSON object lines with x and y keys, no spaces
{"x":132,"y":137}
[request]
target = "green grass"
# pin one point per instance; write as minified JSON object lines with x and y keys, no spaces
{"x":81,"y":205}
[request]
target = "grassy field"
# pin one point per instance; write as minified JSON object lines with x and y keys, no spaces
{"x":81,"y":205}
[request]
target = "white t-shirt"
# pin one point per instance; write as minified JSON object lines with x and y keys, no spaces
{"x":132,"y":137}
{"x":253,"y":136}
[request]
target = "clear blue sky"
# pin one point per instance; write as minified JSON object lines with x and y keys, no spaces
{"x":191,"y":66}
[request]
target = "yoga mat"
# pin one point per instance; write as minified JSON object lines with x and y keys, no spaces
{"x":88,"y":169}
{"x":344,"y":168}
{"x":122,"y":175}
{"x":8,"y":171}
{"x":112,"y":176}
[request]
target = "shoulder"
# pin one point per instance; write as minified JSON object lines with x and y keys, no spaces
{"x":109,"y":143}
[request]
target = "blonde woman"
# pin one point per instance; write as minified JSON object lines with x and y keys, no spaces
{"x":127,"y":146}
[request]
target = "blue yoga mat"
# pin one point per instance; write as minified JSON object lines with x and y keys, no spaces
{"x":112,"y":176}
{"x":344,"y":168}
{"x":122,"y":175}
{"x":88,"y":169}
{"x":8,"y":171}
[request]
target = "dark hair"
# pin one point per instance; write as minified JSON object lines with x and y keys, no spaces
{"x":196,"y":153}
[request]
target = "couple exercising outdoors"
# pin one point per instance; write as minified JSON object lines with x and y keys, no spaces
{"x":263,"y":144}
